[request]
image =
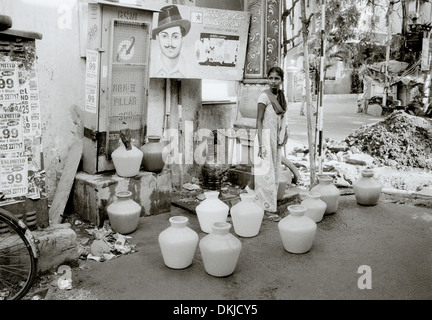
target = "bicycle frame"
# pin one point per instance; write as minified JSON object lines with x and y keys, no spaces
{"x":24,"y":228}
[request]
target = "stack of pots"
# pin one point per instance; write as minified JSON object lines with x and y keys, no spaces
{"x":219,"y":249}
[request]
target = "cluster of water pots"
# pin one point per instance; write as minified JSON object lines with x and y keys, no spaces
{"x":128,"y":159}
{"x":220,"y":250}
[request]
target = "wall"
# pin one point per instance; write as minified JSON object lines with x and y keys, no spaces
{"x":338,"y":79}
{"x":221,"y":4}
{"x":184,"y":169}
{"x":60,"y":72}
{"x":61,"y":77}
{"x":214,"y":116}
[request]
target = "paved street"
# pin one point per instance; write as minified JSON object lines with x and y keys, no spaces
{"x":391,"y":240}
{"x":339,"y":120}
{"x":386,"y":246}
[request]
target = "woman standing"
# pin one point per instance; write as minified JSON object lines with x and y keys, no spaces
{"x":272,"y":136}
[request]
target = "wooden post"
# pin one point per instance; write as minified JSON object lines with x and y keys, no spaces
{"x":321,"y":89}
{"x":167,"y":106}
{"x":66,"y":181}
{"x":166,"y":121}
{"x":180,"y":133}
{"x":308,"y":93}
{"x":388,"y":40}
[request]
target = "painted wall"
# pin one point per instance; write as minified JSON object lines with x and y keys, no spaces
{"x":60,"y":72}
{"x":61,"y":77}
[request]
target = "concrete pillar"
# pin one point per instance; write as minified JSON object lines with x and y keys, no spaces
{"x":290,"y":84}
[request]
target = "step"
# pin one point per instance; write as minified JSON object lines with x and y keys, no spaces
{"x":92,"y":193}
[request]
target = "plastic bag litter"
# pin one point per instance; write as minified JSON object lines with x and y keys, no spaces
{"x":107,"y":244}
{"x":120,"y":244}
{"x":191,"y":186}
{"x":65,"y":284}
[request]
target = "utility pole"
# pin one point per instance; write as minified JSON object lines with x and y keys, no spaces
{"x":305,"y":31}
{"x":321,"y":88}
{"x":388,"y":40}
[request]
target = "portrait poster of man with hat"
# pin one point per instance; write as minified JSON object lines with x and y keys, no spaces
{"x":169,"y":34}
{"x":178,"y":37}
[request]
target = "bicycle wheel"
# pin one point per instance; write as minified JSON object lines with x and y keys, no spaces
{"x":17,"y":258}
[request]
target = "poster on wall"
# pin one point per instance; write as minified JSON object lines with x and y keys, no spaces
{"x":13,"y":176}
{"x":91,"y":83}
{"x":11,"y":132}
{"x":35,"y":119}
{"x":198,"y":43}
{"x":21,"y":162}
{"x":24,"y":108}
{"x":9,"y":84}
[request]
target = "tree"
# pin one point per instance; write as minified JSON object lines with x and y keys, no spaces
{"x":305,"y":33}
{"x":340,"y":19}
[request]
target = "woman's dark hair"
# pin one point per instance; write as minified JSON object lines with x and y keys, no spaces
{"x":280,"y":94}
{"x":278,"y":70}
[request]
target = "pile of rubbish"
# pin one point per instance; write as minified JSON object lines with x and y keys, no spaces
{"x":397,"y":148}
{"x":400,"y":140}
{"x":108,"y":244}
{"x":100,"y":243}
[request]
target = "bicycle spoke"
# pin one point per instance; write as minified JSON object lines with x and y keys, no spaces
{"x":15,"y":255}
{"x":8,"y":284}
{"x":16,"y":242}
{"x":9,"y":289}
{"x":15,"y":271}
{"x":17,"y":263}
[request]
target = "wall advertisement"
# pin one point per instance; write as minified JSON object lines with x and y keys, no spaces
{"x":9,"y":84}
{"x":14,"y":180}
{"x":20,"y":129}
{"x":91,"y":81}
{"x":198,"y":43}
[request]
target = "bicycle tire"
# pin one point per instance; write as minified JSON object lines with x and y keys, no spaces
{"x":18,"y":258}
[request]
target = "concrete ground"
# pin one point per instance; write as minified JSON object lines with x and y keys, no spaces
{"x":340,"y":118}
{"x":389,"y":243}
{"x":386,"y":247}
